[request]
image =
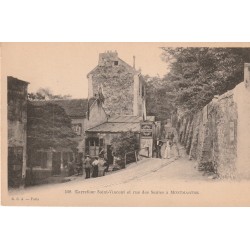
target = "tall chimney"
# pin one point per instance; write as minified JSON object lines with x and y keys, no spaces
{"x":247,"y":75}
{"x":134,"y":62}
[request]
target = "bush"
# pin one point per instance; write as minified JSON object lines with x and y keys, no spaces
{"x":124,"y":143}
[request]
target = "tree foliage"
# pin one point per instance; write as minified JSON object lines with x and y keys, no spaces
{"x":159,"y":97}
{"x":197,"y":74}
{"x":46,"y":94}
{"x":48,"y":126}
{"x":124,"y":143}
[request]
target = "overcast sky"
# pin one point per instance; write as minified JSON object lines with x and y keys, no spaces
{"x":63,"y":67}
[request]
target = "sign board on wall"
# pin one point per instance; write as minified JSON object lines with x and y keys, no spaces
{"x":146,"y":130}
{"x":146,"y":141}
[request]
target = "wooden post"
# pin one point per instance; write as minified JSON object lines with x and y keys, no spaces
{"x":61,"y":165}
{"x":135,"y":157}
{"x":125,"y":160}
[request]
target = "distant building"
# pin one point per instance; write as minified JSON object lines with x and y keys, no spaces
{"x":122,"y":86}
{"x":17,"y":131}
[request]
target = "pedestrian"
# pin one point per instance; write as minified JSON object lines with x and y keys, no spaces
{"x":159,"y":144}
{"x":167,"y":152}
{"x":101,"y":167}
{"x":106,"y":164}
{"x":95,"y":167}
{"x":87,"y":165}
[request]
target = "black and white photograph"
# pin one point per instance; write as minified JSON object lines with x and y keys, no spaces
{"x":126,"y":124}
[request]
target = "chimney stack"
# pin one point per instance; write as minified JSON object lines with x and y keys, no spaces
{"x":134,"y":62}
{"x":247,"y":75}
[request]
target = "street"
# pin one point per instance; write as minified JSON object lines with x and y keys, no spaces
{"x":150,"y":182}
{"x":147,"y":170}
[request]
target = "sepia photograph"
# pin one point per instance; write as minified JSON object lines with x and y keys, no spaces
{"x":125,"y":124}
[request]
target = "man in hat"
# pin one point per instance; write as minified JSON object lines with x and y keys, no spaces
{"x":87,"y":165}
{"x":159,"y":144}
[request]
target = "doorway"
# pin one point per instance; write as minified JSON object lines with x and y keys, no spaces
{"x":56,"y":163}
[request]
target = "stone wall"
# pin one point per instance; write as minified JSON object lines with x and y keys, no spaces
{"x":122,"y":86}
{"x":218,"y":136}
{"x":17,"y":131}
{"x":117,"y":87}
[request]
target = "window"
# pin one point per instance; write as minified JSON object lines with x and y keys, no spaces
{"x":115,"y":63}
{"x":77,"y":128}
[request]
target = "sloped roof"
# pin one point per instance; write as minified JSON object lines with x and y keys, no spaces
{"x":120,"y":123}
{"x":116,"y":127}
{"x":129,"y":118}
{"x":126,"y":65}
{"x":125,"y":118}
{"x":76,"y":108}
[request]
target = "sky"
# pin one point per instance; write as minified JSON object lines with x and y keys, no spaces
{"x":63,"y":67}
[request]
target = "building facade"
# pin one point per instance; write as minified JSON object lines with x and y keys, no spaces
{"x":17,"y":131}
{"x":121,"y":91}
{"x":121,"y":85}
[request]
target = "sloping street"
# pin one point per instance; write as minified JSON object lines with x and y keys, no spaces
{"x":147,"y":170}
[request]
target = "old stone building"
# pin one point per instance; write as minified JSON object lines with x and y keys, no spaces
{"x":120,"y":89}
{"x":17,"y":131}
{"x":122,"y":86}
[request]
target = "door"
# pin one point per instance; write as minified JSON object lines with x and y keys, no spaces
{"x":93,"y":146}
{"x":56,"y":163}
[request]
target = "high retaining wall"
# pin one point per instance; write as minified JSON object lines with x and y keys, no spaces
{"x":218,"y":136}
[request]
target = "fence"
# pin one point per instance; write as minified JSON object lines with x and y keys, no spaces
{"x":134,"y":156}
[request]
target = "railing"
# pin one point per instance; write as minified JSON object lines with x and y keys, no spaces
{"x":134,"y":156}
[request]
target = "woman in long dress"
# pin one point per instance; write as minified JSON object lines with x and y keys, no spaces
{"x":95,"y":167}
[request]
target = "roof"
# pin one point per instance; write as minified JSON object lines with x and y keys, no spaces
{"x":12,"y":81}
{"x":129,"y":118}
{"x":126,"y":65}
{"x":116,"y":127}
{"x":124,"y":118}
{"x":76,"y":108}
{"x":120,"y":123}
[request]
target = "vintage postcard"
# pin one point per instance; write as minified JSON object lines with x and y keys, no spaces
{"x":125,"y":124}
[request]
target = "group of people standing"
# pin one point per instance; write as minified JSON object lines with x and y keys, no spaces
{"x":168,"y":141}
{"x":96,"y":168}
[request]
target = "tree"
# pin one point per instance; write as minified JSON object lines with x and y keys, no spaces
{"x":158,"y":98}
{"x":197,"y":74}
{"x":48,"y":126}
{"x":46,"y":94}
